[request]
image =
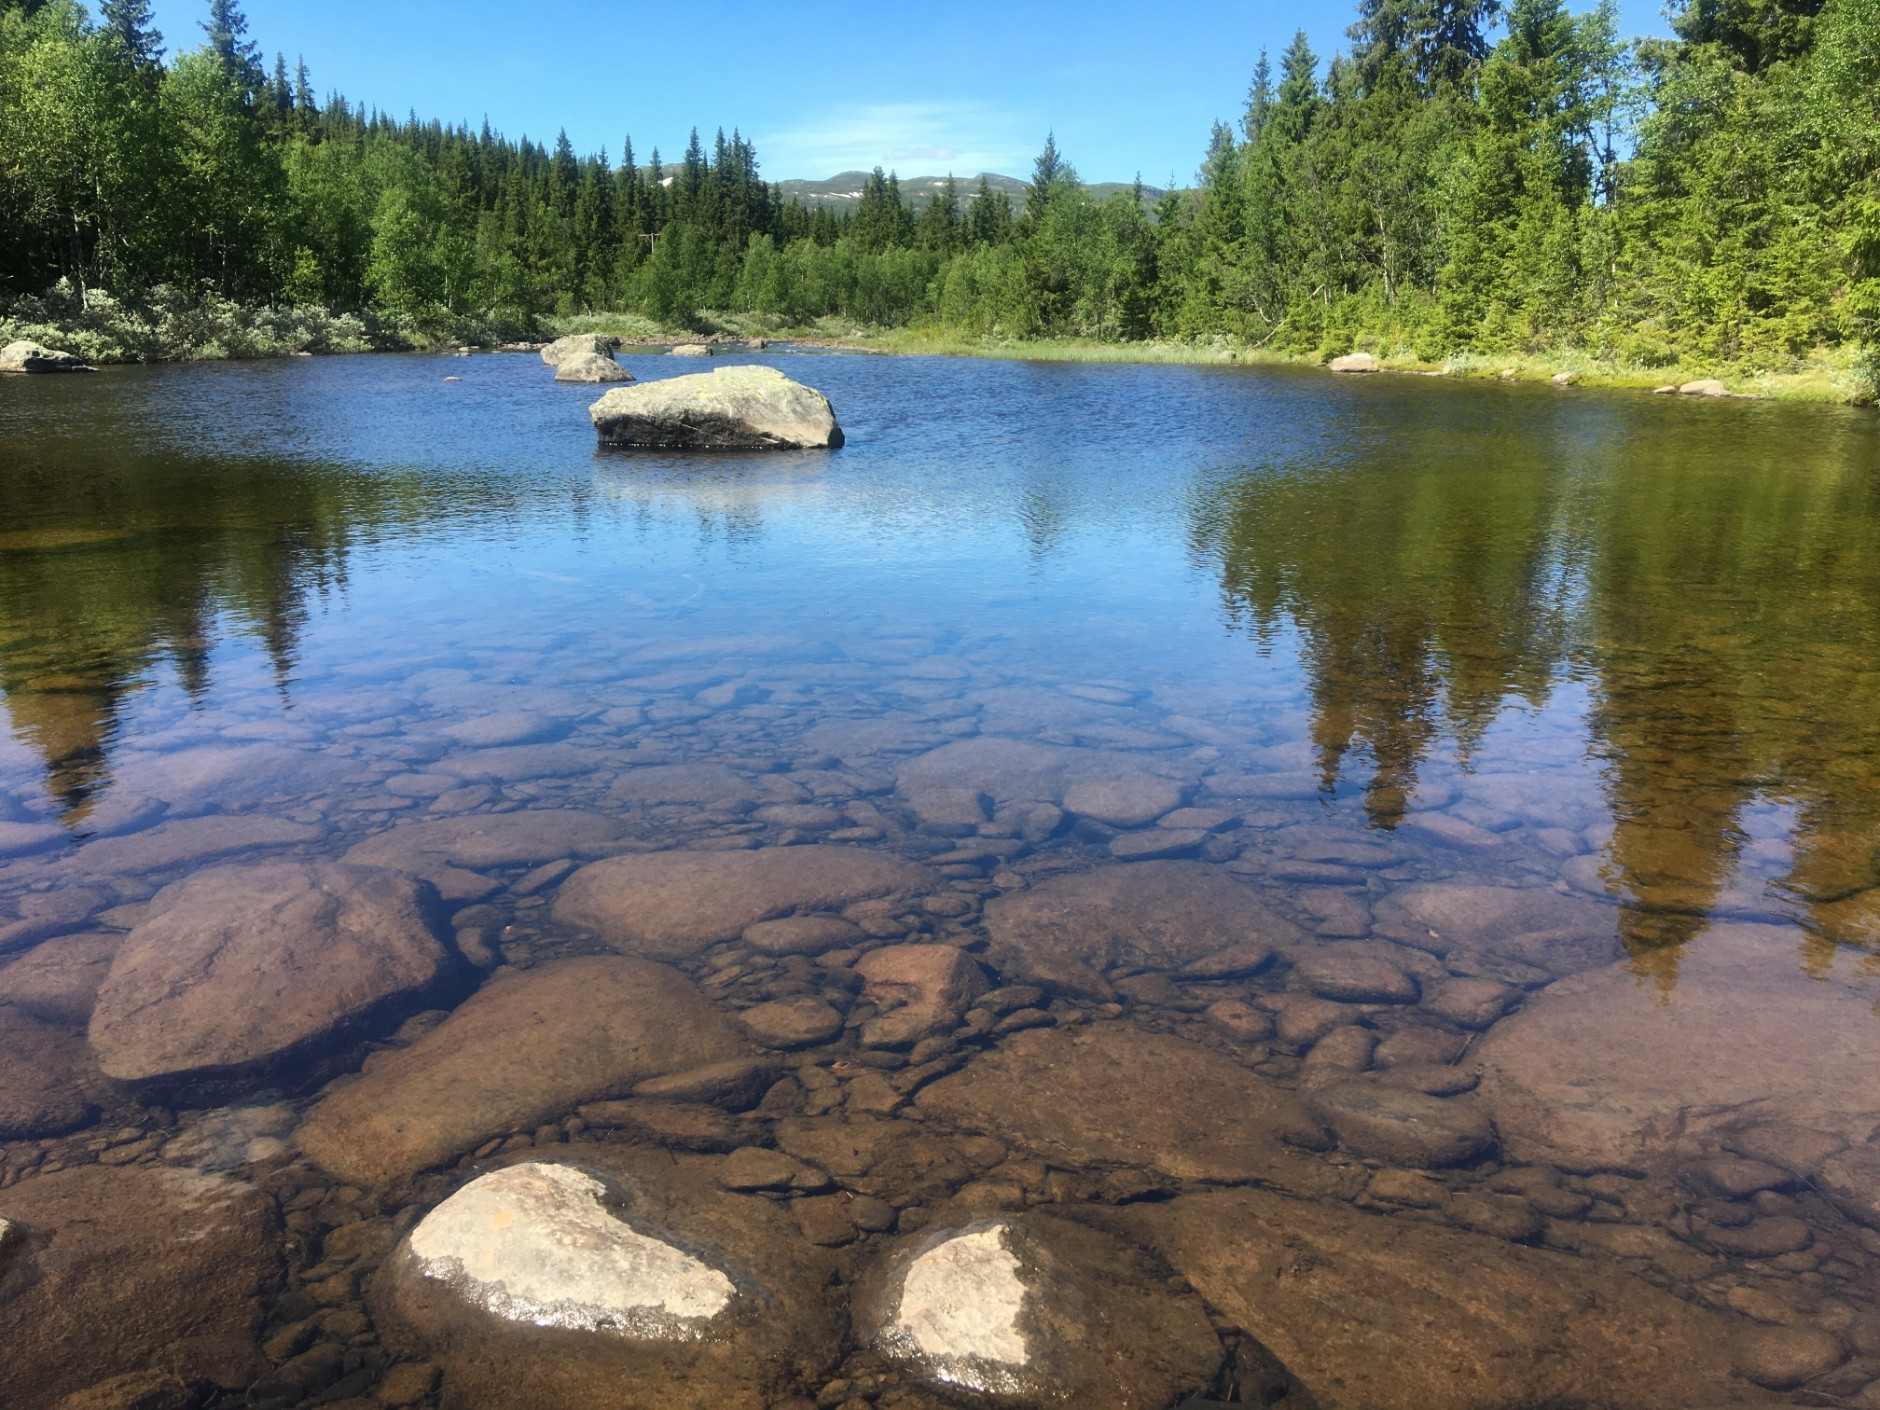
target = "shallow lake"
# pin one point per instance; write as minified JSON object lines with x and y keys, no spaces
{"x":1122,"y":883}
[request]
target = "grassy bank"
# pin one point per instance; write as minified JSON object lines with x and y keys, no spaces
{"x":168,"y":325}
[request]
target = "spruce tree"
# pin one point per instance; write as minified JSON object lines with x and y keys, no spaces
{"x":1259,"y":99}
{"x":239,"y":58}
{"x":129,"y":26}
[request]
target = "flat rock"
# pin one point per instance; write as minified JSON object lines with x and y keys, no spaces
{"x":921,"y":990}
{"x":801,"y":935}
{"x":673,"y":904}
{"x":1608,"y":1070}
{"x":450,"y":852}
{"x":38,"y":915}
{"x":1011,"y":770}
{"x":505,"y":727}
{"x":190,"y":841}
{"x":791,"y":1023}
{"x":625,"y":1279}
{"x":1353,"y":362}
{"x":17,"y":839}
{"x":1153,"y":915}
{"x":699,"y":785}
{"x":524,"y":1049}
{"x":1157,"y":843}
{"x":1131,"y":800}
{"x":115,"y":1266}
{"x":746,"y":407}
{"x":45,"y":1076}
{"x":1561,"y":934}
{"x":1115,"y":1094}
{"x":1401,"y":1126}
{"x":1375,"y":1312}
{"x":1036,"y":1311}
{"x":241,"y":969}
{"x":1348,"y":978}
{"x":57,"y":980}
{"x":1782,"y":1358}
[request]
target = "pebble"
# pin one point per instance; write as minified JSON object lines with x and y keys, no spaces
{"x":1472,"y":1003}
{"x":1402,"y":1126}
{"x":1762,"y":1238}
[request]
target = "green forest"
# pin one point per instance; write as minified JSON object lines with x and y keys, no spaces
{"x":1465,"y":179}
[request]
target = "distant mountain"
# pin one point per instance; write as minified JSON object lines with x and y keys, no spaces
{"x":843,"y":191}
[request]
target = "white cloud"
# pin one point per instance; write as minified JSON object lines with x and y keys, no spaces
{"x":914,"y":139}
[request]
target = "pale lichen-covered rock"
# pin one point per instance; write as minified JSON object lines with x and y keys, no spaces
{"x":579,"y":345}
{"x":693,"y":350}
{"x":26,"y":356}
{"x":729,"y":408}
{"x":1704,"y":387}
{"x":1353,"y":362}
{"x":628,"y":1280}
{"x":1032,"y":1310}
{"x":591,"y":367}
{"x":237,"y":970}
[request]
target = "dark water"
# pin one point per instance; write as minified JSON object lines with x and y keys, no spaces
{"x":1607,"y":652}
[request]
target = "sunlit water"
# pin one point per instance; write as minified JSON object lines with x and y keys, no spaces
{"x":1617,"y":649}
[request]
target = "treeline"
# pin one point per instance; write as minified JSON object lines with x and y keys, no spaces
{"x":1436,"y":188}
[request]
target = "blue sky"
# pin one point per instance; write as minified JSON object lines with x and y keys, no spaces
{"x":821,"y":87}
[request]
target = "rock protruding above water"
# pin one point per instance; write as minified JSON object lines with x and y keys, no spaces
{"x":592,"y":367}
{"x":627,"y":1280}
{"x":1116,"y":1094}
{"x":693,"y":350}
{"x":1353,"y":362}
{"x":577,"y":345}
{"x":1604,"y":1070}
{"x":1151,"y":915}
{"x":237,"y":969}
{"x":1373,"y":1312}
{"x":673,"y":904}
{"x":729,"y":408}
{"x":1035,"y":1311}
{"x":522,"y":1050}
{"x":27,"y":356}
{"x":131,"y":1269}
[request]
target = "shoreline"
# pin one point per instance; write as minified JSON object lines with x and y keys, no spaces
{"x":1829,"y":380}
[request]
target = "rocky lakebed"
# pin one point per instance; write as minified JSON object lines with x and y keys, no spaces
{"x":634,"y":1012}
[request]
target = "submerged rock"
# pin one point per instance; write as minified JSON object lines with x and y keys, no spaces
{"x":1606,"y":1070}
{"x":1010,"y":771}
{"x":237,"y":970}
{"x":43,"y":1078}
{"x":577,"y":345}
{"x":523,"y":1050}
{"x":449,"y":852}
{"x":1559,"y":934}
{"x":1115,"y":1094}
{"x":730,"y":408}
{"x":673,"y":904}
{"x":1035,"y":1311}
{"x":1150,"y":915}
{"x":57,"y":980}
{"x":921,"y":990}
{"x":628,"y":1280}
{"x":1401,"y":1126}
{"x":592,"y":367}
{"x":132,"y":1269}
{"x":26,"y":356}
{"x":1375,"y":1312}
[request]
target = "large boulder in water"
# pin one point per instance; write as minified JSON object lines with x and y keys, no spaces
{"x":525,"y":1049}
{"x":239,"y":971}
{"x":1036,"y":1311}
{"x":137,"y":1268}
{"x":592,"y":367}
{"x":579,"y":345}
{"x":729,"y":408}
{"x":628,"y":1280}
{"x":34,"y":357}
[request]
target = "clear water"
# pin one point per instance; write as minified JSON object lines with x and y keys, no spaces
{"x":1611,"y":647}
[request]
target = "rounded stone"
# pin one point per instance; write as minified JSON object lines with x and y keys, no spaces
{"x":1035,"y":1311}
{"x":563,"y":1286}
{"x":1354,"y":979}
{"x":801,"y":935}
{"x":1134,"y":800}
{"x":791,"y":1023}
{"x":237,"y":970}
{"x":1782,"y":1358}
{"x":1402,"y":1126}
